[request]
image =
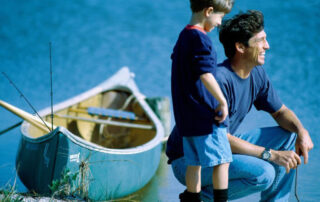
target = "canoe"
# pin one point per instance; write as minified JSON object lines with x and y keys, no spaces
{"x":97,"y":156}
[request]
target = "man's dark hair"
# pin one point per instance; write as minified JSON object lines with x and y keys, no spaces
{"x":218,"y":5}
{"x":240,"y":29}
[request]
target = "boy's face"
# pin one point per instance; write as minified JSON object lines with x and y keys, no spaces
{"x":213,"y":19}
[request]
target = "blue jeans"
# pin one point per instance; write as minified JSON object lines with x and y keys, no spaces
{"x":247,"y":174}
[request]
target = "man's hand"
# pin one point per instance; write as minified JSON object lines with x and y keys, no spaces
{"x":287,"y":159}
{"x":304,"y":144}
{"x":289,"y":121}
{"x":223,"y":109}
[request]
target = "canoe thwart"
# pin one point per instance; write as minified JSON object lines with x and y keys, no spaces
{"x":113,"y":113}
{"x":107,"y":122}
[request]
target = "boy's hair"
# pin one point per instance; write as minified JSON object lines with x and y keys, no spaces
{"x":240,"y":29}
{"x":218,"y":5}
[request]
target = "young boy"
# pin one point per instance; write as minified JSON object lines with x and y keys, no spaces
{"x":197,"y":100}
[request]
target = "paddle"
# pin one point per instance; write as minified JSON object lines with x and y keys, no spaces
{"x":27,"y":116}
{"x":39,"y":124}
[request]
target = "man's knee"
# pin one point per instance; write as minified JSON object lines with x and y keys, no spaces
{"x":291,"y":141}
{"x":286,"y":140}
{"x":263,"y":179}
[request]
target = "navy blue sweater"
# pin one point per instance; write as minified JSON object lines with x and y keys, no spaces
{"x":193,"y":105}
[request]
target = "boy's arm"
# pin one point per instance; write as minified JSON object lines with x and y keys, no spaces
{"x":213,"y":87}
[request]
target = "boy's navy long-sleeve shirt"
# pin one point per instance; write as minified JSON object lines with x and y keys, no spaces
{"x":193,"y":105}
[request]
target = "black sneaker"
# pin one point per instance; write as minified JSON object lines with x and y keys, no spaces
{"x":189,"y":197}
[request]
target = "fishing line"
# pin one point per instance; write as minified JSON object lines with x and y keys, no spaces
{"x":51,"y":93}
{"x":21,"y":94}
{"x":296,"y":186}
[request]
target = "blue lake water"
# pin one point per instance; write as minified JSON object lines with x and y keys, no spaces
{"x":92,"y":39}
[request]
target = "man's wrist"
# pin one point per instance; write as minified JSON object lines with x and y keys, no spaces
{"x":266,"y":154}
{"x":273,"y":155}
{"x":301,"y":131}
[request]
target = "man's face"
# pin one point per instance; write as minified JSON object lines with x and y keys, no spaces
{"x":256,"y":51}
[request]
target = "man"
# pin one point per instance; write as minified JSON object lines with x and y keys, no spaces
{"x":263,"y":159}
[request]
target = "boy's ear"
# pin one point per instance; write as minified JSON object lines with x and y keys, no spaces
{"x":208,"y":11}
{"x":240,"y":47}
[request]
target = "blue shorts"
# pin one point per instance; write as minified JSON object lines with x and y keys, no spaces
{"x":208,"y":150}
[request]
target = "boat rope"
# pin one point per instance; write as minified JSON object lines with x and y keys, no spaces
{"x":125,"y":105}
{"x":51,"y":92}
{"x":21,"y":94}
{"x":10,"y":128}
{"x":296,"y":186}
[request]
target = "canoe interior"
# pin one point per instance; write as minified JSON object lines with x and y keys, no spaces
{"x":117,"y":137}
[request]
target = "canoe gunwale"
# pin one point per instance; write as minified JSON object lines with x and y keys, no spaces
{"x":83,"y":143}
{"x":126,"y":83}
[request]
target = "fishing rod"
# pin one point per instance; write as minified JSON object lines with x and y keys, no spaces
{"x":21,"y":94}
{"x":10,"y":128}
{"x":51,"y":93}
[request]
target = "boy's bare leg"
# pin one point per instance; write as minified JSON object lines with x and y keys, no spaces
{"x":193,"y":182}
{"x":220,"y":178}
{"x":193,"y":179}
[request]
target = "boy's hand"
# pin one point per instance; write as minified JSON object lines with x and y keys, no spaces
{"x":223,"y":109}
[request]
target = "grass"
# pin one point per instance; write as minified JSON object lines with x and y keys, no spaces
{"x":63,"y":187}
{"x":9,"y":193}
{"x":71,"y":186}
{"x":74,"y":185}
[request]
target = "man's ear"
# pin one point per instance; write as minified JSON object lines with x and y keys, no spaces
{"x":240,"y":47}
